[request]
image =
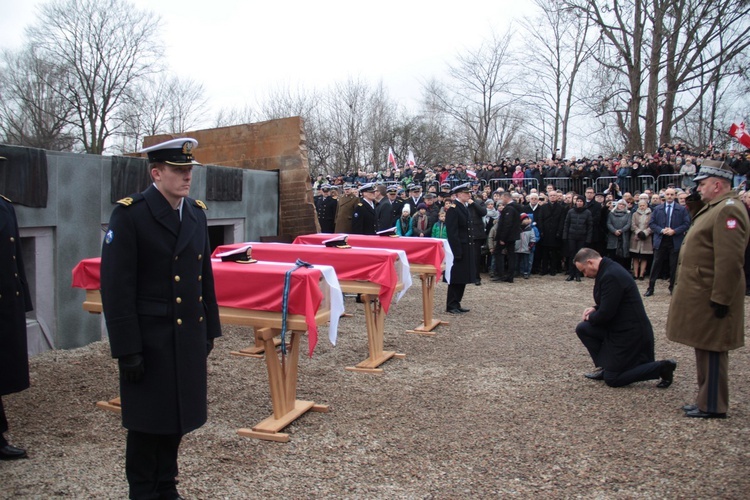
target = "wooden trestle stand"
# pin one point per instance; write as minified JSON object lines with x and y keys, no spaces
{"x":428,"y":275}
{"x":282,"y":371}
{"x":375,"y":323}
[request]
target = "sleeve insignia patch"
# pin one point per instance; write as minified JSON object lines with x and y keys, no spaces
{"x":732,"y":223}
{"x":201,"y":204}
{"x":109,"y":237}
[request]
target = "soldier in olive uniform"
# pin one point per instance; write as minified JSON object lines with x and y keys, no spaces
{"x":15,"y":301}
{"x":346,"y":204}
{"x":364,"y":220}
{"x":162,"y":317}
{"x":707,"y":311}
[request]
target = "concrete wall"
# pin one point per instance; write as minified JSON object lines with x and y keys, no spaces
{"x":70,"y":229}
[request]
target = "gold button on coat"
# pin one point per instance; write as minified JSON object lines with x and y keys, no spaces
{"x":177,"y":278}
{"x":179,"y":300}
{"x":179,"y":321}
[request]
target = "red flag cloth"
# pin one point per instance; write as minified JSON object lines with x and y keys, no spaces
{"x":254,"y":287}
{"x":740,"y":133}
{"x":350,"y":264}
{"x":392,"y":158}
{"x":471,"y":174}
{"x":425,"y":251}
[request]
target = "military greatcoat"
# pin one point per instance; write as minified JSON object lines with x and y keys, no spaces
{"x":158,"y":296}
{"x":15,"y":300}
{"x":364,"y":219}
{"x":709,"y":269}
{"x":344,"y":213}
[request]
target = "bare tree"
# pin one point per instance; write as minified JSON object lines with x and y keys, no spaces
{"x":476,"y":93}
{"x":31,"y":111}
{"x":105,"y":47}
{"x":234,"y":116}
{"x":556,"y":51}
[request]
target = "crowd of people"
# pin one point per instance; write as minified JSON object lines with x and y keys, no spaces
{"x":614,"y":236}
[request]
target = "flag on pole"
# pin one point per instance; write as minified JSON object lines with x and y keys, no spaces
{"x":740,"y":133}
{"x":471,"y":173}
{"x":411,"y":161}
{"x":392,"y":158}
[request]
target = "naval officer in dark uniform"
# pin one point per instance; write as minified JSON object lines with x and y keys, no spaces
{"x":364,"y":219}
{"x":162,"y":317}
{"x":326,"y":209}
{"x":459,"y":226}
{"x":15,"y":301}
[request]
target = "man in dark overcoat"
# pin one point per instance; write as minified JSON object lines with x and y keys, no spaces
{"x":616,"y":331}
{"x":364,"y":218}
{"x":508,"y":231}
{"x":458,"y":225}
{"x":550,"y":224}
{"x":326,"y":210}
{"x":15,"y":301}
{"x":161,"y":314}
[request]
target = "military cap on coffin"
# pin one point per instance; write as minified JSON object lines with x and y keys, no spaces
{"x":175,"y":152}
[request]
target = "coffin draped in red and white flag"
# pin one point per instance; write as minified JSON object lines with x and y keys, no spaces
{"x":740,"y":133}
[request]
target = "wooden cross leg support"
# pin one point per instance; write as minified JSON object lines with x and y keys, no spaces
{"x":282,"y":380}
{"x":257,"y":350}
{"x":428,"y":303}
{"x":375,"y":319}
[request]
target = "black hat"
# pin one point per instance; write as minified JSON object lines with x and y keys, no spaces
{"x":175,"y":152}
{"x":429,"y":196}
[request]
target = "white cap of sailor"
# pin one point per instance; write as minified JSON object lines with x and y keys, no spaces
{"x":175,"y":152}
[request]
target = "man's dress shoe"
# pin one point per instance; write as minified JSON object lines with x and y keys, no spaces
{"x":597,"y":374}
{"x":649,"y":292}
{"x":454,"y":311}
{"x":704,"y":414}
{"x":667,"y":373}
{"x":9,"y":452}
{"x":463,"y":310}
{"x":569,"y":278}
{"x":578,"y":279}
{"x":689,"y":407}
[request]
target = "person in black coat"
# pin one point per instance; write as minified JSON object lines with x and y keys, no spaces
{"x":577,"y":233}
{"x":162,"y":317}
{"x":508,"y":231}
{"x":550,"y":224}
{"x":459,"y":227}
{"x":326,"y":209}
{"x":616,"y":331}
{"x":385,"y":209}
{"x":364,"y":218}
{"x":477,"y":211}
{"x":15,"y":301}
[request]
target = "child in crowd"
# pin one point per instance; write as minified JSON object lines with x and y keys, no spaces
{"x":524,"y":246}
{"x":403,"y":224}
{"x":420,"y":223}
{"x":438,"y":230}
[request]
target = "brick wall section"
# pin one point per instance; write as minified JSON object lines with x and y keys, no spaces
{"x":272,"y":145}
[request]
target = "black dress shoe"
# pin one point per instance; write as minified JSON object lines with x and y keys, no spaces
{"x":687,"y":408}
{"x":569,"y":278}
{"x":454,"y":311}
{"x":463,"y":310}
{"x":704,"y":414}
{"x":649,"y":292}
{"x":478,"y":282}
{"x":578,"y":279}
{"x":597,"y":374}
{"x":10,"y":452}
{"x":668,"y":367}
{"x":497,"y":278}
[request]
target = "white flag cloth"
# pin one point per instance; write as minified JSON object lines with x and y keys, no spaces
{"x":411,"y":161}
{"x":392,"y":158}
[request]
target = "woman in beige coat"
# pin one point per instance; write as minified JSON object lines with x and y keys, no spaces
{"x":641,"y":242}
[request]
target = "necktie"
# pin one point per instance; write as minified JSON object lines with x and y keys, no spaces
{"x":669,"y":215}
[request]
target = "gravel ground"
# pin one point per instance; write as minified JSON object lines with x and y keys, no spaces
{"x":494,"y":405}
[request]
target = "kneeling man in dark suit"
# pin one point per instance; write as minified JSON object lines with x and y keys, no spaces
{"x":616,"y":331}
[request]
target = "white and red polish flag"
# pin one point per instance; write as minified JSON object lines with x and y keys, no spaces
{"x":411,"y":161}
{"x":392,"y":158}
{"x":471,"y":173}
{"x":740,"y":133}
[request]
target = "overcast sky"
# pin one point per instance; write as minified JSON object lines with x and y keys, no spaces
{"x":240,"y":49}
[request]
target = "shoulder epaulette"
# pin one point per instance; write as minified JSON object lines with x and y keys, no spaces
{"x":359,"y":204}
{"x":129,"y":200}
{"x":200,"y":204}
{"x":6,"y":198}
